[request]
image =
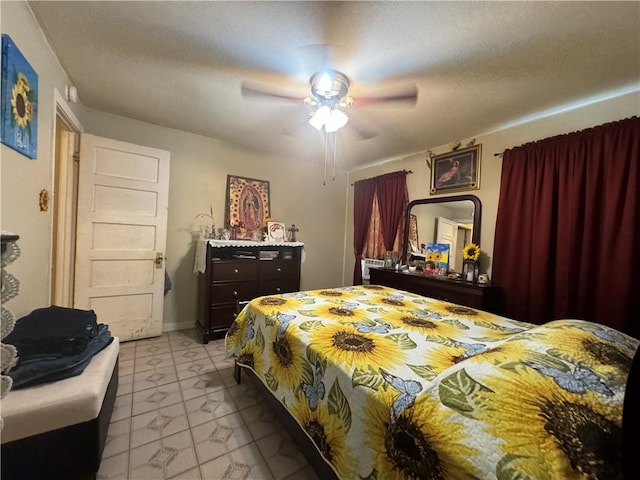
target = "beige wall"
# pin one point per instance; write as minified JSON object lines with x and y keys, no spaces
{"x":199,"y":167}
{"x":418,"y":183}
{"x":22,"y":178}
{"x":198,"y":176}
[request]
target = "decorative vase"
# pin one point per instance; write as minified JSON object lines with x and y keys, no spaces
{"x":470,"y":270}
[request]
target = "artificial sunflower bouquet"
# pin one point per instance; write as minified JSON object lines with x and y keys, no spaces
{"x":470,"y":257}
{"x":471,"y":252}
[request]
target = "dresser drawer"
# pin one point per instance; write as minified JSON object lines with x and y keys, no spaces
{"x":222,"y":271}
{"x":222,"y":317}
{"x":273,"y":287}
{"x":278,"y":269}
{"x":467,"y":298}
{"x":231,"y":292}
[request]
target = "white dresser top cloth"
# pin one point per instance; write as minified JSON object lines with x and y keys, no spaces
{"x":200,"y":264}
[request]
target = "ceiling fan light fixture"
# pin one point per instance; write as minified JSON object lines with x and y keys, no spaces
{"x":324,"y":82}
{"x":329,"y":85}
{"x":320,"y":118}
{"x":336,"y":121}
{"x":331,"y":119}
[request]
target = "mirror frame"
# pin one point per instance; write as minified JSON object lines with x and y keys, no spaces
{"x":477,"y":217}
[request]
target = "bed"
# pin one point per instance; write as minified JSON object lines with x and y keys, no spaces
{"x":388,"y":384}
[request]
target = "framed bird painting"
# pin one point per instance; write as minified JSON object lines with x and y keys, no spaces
{"x":456,"y":171}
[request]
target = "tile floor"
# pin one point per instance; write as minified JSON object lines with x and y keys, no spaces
{"x":179,"y":414}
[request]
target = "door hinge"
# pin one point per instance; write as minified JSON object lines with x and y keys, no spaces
{"x":76,"y":157}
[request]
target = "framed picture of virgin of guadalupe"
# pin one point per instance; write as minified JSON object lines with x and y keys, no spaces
{"x":247,"y":205}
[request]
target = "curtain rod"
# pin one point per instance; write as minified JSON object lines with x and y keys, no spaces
{"x":498,"y":154}
{"x":405,"y":171}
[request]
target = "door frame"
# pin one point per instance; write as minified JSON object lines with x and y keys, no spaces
{"x":60,"y":221}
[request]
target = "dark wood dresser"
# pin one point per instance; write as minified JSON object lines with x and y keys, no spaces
{"x":236,"y":271}
{"x":481,"y":297}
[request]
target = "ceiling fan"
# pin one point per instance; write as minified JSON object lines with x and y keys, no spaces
{"x":330,"y":96}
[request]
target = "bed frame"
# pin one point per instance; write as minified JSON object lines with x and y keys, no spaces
{"x":69,"y":453}
{"x":293,"y":428}
{"x":631,"y":420}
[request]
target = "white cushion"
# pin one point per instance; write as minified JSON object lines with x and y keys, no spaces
{"x":42,"y":408}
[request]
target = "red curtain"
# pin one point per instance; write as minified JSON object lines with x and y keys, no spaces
{"x":392,"y":203}
{"x":567,"y":241}
{"x":374,"y":244}
{"x":389,"y":193}
{"x":363,"y":194}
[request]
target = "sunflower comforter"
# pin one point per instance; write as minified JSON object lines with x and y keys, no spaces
{"x":390,"y":385}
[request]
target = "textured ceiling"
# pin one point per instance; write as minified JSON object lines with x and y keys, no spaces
{"x":478,"y":66}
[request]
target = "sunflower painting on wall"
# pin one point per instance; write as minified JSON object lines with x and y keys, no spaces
{"x":19,"y":89}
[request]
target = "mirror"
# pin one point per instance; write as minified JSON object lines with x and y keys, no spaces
{"x":454,"y":220}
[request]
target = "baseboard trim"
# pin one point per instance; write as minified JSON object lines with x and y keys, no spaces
{"x":172,"y":326}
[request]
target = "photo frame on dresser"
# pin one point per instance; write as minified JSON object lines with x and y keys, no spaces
{"x":246,"y":205}
{"x":456,"y":171}
{"x":276,"y":232}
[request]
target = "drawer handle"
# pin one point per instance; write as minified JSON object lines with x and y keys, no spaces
{"x":278,"y":289}
{"x":235,"y":270}
{"x":235,"y":294}
{"x":278,"y":269}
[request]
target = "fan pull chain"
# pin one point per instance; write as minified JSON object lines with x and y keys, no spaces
{"x":330,"y":137}
{"x":335,"y":150}
{"x":326,"y":153}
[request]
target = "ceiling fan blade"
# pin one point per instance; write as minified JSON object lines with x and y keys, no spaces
{"x":407,"y":95}
{"x":254,"y":91}
{"x":297,"y":124}
{"x":359,"y":129}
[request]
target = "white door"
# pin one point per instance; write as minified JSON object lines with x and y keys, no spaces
{"x":123,"y":197}
{"x":446,"y":232}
